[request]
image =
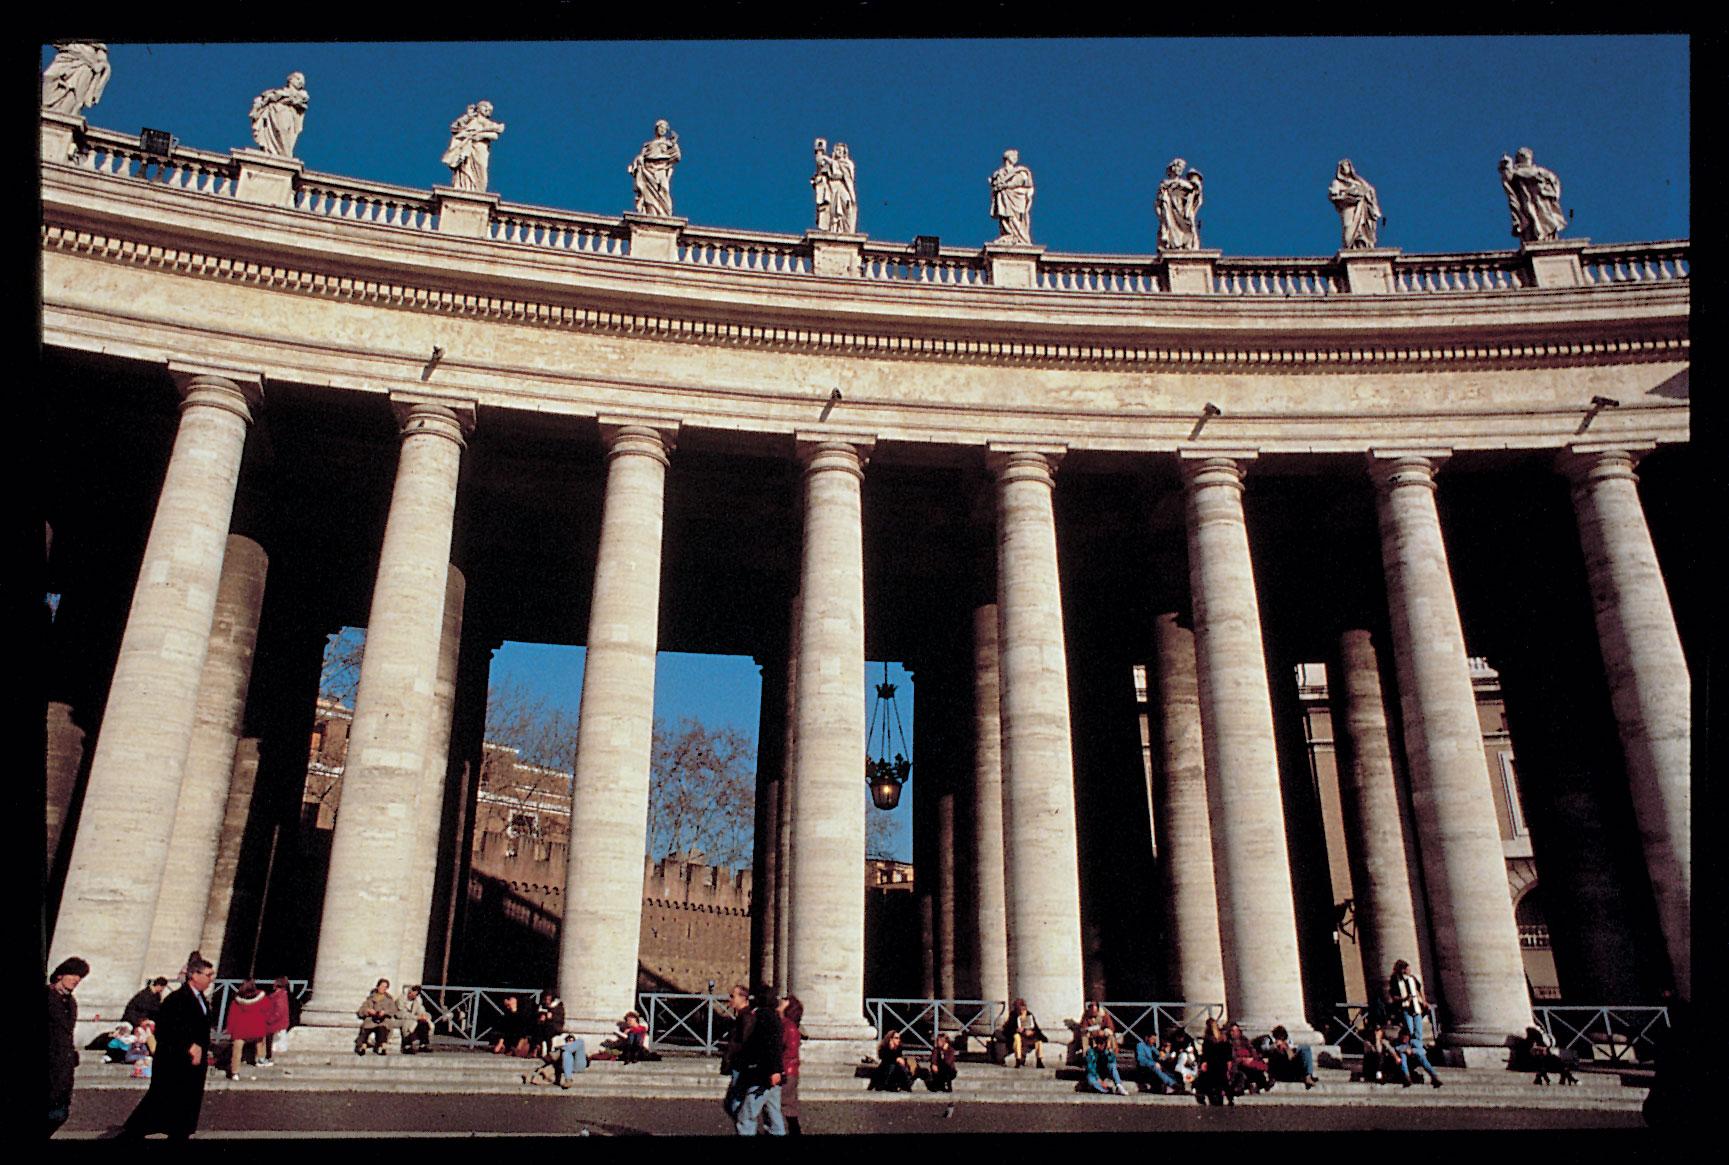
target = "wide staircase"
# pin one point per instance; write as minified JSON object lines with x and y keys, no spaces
{"x":684,"y":1076}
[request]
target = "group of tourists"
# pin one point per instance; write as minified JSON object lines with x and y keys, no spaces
{"x":381,"y":1012}
{"x":760,"y":1058}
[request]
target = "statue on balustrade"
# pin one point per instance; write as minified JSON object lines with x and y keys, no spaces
{"x":75,"y":78}
{"x":843,"y":191}
{"x":652,"y":169}
{"x":819,"y":184}
{"x":470,"y":152}
{"x":1179,"y":208}
{"x":1534,"y":197}
{"x":278,"y":116}
{"x":1012,"y":199}
{"x":1359,"y":208}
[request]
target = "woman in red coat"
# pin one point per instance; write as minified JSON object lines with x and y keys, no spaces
{"x":248,"y":1023}
{"x":278,"y":1020}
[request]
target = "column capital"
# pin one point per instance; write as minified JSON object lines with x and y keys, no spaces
{"x":237,"y":391}
{"x":648,"y":436}
{"x":1019,"y":461}
{"x":1219,"y":467}
{"x":831,"y":449}
{"x":451,"y":417}
{"x":1585,"y":462}
{"x":1390,"y":468}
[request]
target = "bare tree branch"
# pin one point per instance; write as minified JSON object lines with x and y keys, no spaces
{"x":702,"y":793}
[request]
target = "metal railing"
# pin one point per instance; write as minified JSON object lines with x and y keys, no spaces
{"x":920,"y":1021}
{"x":1344,"y":1026}
{"x":1150,"y":1021}
{"x":469,"y":1015}
{"x":686,"y":1022}
{"x":1617,"y":1034}
{"x":224,"y":990}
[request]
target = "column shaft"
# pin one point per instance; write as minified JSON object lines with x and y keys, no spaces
{"x":765,"y":849}
{"x":65,"y":756}
{"x":943,"y":903}
{"x":825,"y":964}
{"x":226,"y":867}
{"x":597,"y":956}
{"x":429,"y":797}
{"x":1369,"y":801}
{"x":368,"y":887}
{"x":140,"y":754}
{"x":988,"y":872}
{"x":782,"y":888}
{"x":1257,"y":915}
{"x":198,"y":813}
{"x":1481,"y":973}
{"x":1042,"y":877}
{"x":1193,"y":959}
{"x":1649,"y":684}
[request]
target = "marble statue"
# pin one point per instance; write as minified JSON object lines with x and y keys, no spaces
{"x":278,"y":116}
{"x":1012,"y":199}
{"x":1534,"y":197}
{"x":1179,"y":208}
{"x":652,"y":169}
{"x":1359,"y":208}
{"x":75,"y":78}
{"x":819,"y":184}
{"x":843,"y":191}
{"x":470,"y":152}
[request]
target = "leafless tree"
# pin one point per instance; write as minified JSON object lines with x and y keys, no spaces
{"x":535,"y":753}
{"x":702,"y":793}
{"x":340,"y":679}
{"x":879,"y":832}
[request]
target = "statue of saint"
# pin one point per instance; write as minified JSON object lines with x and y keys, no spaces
{"x":843,"y":191}
{"x":819,"y":184}
{"x":1359,"y":208}
{"x":470,"y":152}
{"x":1533,"y":196}
{"x":75,"y":78}
{"x":652,"y":169}
{"x":1179,"y":208}
{"x":1012,"y":199}
{"x":278,"y":115}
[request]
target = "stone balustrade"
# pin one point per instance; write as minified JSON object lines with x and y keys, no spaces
{"x":122,"y":156}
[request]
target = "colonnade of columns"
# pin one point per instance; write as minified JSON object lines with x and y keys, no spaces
{"x":171,"y":731}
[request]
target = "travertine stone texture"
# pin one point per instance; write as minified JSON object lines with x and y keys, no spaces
{"x":1257,"y":919}
{"x":372,"y":853}
{"x":765,"y":847}
{"x":1042,"y":873}
{"x":988,"y":873}
{"x":825,"y":963}
{"x":135,"y":774}
{"x":609,"y":794}
{"x":1193,"y":956}
{"x":943,"y":902}
{"x":192,"y":845}
{"x":1649,"y":684}
{"x":1369,"y":798}
{"x":1480,"y":976}
{"x":789,"y":772}
{"x":65,"y":754}
{"x":266,"y":179}
{"x":429,"y":802}
{"x":227,"y":864}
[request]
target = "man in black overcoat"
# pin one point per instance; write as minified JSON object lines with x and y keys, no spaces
{"x":62,"y":1055}
{"x":182,"y":1057}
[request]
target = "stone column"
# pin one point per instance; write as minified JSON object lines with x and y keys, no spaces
{"x":825,"y":956}
{"x":429,"y":798}
{"x":1042,"y":876}
{"x":783,"y":832}
{"x":765,"y":850}
{"x":1193,"y":959}
{"x":65,"y":756}
{"x":1481,"y":975}
{"x":192,"y":845}
{"x":988,"y":808}
{"x":943,"y":902}
{"x":1257,"y":913}
{"x":226,"y":868}
{"x":140,"y":755}
{"x":1649,"y":685}
{"x":597,"y":953}
{"x":1369,"y":801}
{"x":368,"y":886}
{"x":925,"y":875}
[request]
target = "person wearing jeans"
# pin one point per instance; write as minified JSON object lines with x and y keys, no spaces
{"x":761,"y":1071}
{"x":1410,"y":1049}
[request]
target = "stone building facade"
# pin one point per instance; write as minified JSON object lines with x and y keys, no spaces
{"x":1041,"y":470}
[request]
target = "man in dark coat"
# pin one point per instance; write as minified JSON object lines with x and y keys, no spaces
{"x":146,"y":1003}
{"x":182,"y":1057}
{"x":62,"y":1054}
{"x":762,"y":1069}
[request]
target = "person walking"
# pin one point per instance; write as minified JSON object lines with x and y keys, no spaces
{"x":278,"y":1020}
{"x":732,"y":1047}
{"x":182,"y":1057}
{"x":763,"y":1070}
{"x":62,"y":1051}
{"x":248,"y":1023}
{"x":791,"y":1013}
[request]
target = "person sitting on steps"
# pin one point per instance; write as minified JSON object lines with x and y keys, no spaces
{"x":1022,"y":1029}
{"x":377,"y":1016}
{"x":1533,"y":1054}
{"x":895,"y":1071}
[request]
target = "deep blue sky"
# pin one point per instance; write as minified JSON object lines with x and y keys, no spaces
{"x":1265,"y":120}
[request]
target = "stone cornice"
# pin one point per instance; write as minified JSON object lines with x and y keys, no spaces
{"x":301,"y":253}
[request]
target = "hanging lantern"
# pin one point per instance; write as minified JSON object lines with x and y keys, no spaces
{"x":884,"y":776}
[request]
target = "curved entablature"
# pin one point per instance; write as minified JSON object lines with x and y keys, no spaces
{"x":351,"y":284}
